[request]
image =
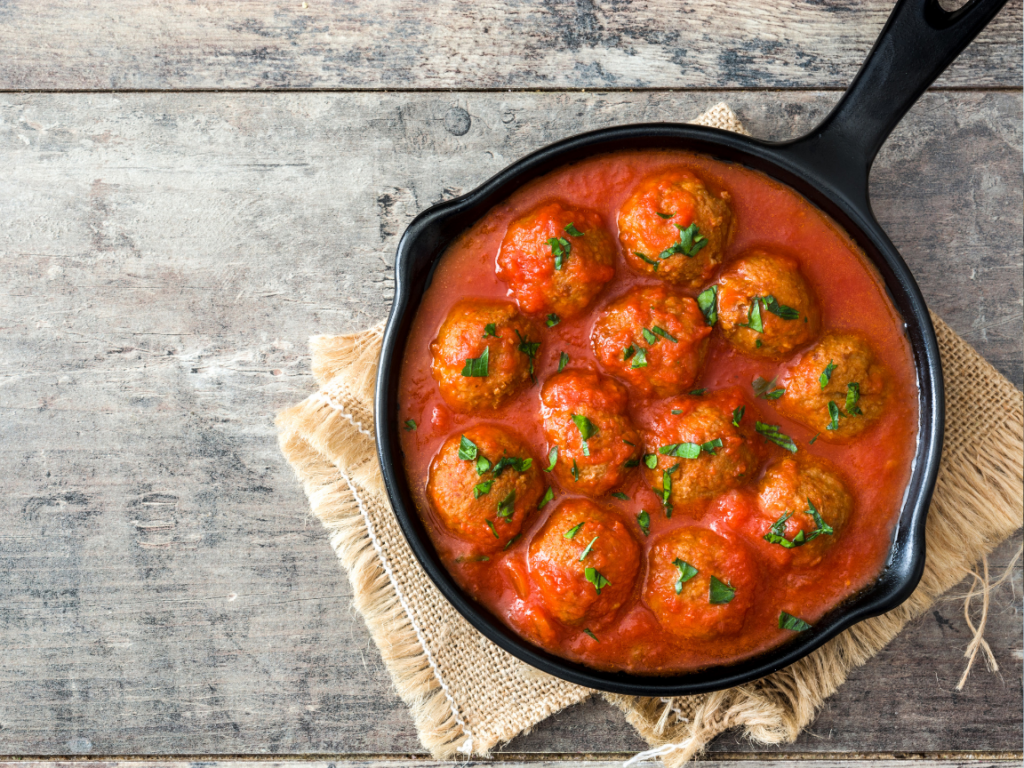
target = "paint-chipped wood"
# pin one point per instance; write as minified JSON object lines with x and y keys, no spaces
{"x":165,"y":258}
{"x":403,"y":44}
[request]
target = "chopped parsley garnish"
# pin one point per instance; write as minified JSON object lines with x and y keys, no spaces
{"x":852,"y":399}
{"x":482,"y":488}
{"x":677,"y":412}
{"x":650,"y":460}
{"x":814,"y":439}
{"x":834,"y":413}
{"x":686,"y":572}
{"x":410,"y":425}
{"x":690,"y":450}
{"x":586,"y":427}
{"x":507,"y":506}
{"x":477,"y":366}
{"x":507,"y":462}
{"x":483,"y":464}
{"x":621,"y":496}
{"x":826,"y":375}
{"x":780,"y":310}
{"x":573,"y":531}
{"x":553,"y":320}
{"x":467,"y":449}
{"x":792,"y":623}
{"x":666,"y":215}
{"x":634,"y":462}
{"x":639,"y":359}
{"x":549,"y":495}
{"x":589,"y":546}
{"x":490,"y":330}
{"x":493,"y":529}
{"x":649,"y":337}
{"x":719,"y":592}
{"x":642,"y":257}
{"x":664,"y":334}
{"x":777,"y":533}
{"x":764,"y":389}
{"x":563,"y":360}
{"x":772,"y":434}
{"x":737,"y":415}
{"x":511,"y":541}
{"x":474,"y":559}
{"x":560,"y":249}
{"x":754,"y":321}
{"x":707,"y":300}
{"x":552,"y":459}
{"x":528,"y":348}
{"x":571,"y":230}
{"x":666,"y":489}
{"x":575,"y":472}
{"x":711,"y":445}
{"x":628,"y":352}
{"x":591,"y":635}
{"x":644,"y":521}
{"x":594,"y":577}
{"x":698,"y":392}
{"x":690,"y":242}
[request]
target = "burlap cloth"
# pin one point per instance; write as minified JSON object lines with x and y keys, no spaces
{"x":467,"y":695}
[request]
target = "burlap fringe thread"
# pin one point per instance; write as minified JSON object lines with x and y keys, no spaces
{"x":978,"y":475}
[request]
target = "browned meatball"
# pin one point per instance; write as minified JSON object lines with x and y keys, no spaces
{"x":483,"y":354}
{"x":804,"y":506}
{"x":483,"y":484}
{"x":765,"y":306}
{"x":588,"y":430}
{"x":672,"y":227}
{"x":700,"y":446}
{"x":584,"y":563}
{"x":700,"y":585}
{"x":838,"y":388}
{"x":653,"y":339}
{"x":556,"y":259}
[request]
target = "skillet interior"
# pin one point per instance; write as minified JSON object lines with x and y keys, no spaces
{"x":430,"y":234}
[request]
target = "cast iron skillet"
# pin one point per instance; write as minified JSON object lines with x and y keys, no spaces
{"x":829,"y":166}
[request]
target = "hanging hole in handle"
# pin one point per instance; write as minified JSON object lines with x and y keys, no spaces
{"x":949,"y":6}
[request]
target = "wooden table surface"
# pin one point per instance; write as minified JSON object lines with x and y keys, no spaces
{"x":188,"y":191}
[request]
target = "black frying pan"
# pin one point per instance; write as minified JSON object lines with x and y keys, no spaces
{"x":830,"y":167}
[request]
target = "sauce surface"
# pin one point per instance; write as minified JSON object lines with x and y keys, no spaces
{"x":876,"y":465}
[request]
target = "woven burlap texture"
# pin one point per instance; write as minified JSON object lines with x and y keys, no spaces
{"x":466,"y":695}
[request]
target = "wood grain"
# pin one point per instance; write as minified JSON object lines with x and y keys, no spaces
{"x":407,"y":44}
{"x":166,"y":257}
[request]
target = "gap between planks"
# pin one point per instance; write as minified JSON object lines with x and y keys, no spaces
{"x":531,"y":757}
{"x":598,"y":90}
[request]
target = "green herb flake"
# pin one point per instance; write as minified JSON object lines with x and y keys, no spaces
{"x":719,"y":592}
{"x":852,"y":399}
{"x":681,"y":450}
{"x":493,"y":529}
{"x":553,"y":320}
{"x":596,"y":578}
{"x":690,"y":242}
{"x":528,"y":348}
{"x":560,"y":249}
{"x":586,"y":427}
{"x":711,"y":446}
{"x":589,"y":547}
{"x":477,"y":366}
{"x":474,"y":559}
{"x":482,"y":488}
{"x":506,"y":507}
{"x":591,"y":635}
{"x":410,"y":425}
{"x":834,"y":413}
{"x":467,"y":449}
{"x":664,"y":334}
{"x":737,"y":415}
{"x":666,"y":215}
{"x":780,"y":310}
{"x":621,"y":496}
{"x":676,"y":412}
{"x":707,"y":300}
{"x":639,"y":359}
{"x":483,"y":464}
{"x":698,"y":392}
{"x":511,"y":462}
{"x":510,"y":542}
{"x":549,"y":495}
{"x":814,"y":439}
{"x":764,"y":389}
{"x":634,"y":462}
{"x":777,"y":533}
{"x":575,"y":472}
{"x":644,"y":258}
{"x":754,"y":321}
{"x":563,"y":360}
{"x":571,"y":230}
{"x":650,"y":460}
{"x":644,"y":521}
{"x":628,"y":352}
{"x":573,"y":531}
{"x":826,"y":375}
{"x":686,"y":572}
{"x":490,"y":330}
{"x":552,"y":459}
{"x":792,"y":623}
{"x":649,"y":337}
{"x":772,"y":434}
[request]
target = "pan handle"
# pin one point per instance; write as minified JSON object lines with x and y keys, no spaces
{"x":917,"y":43}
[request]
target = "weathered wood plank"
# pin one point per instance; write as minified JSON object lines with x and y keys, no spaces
{"x":246,"y":44}
{"x":166,"y":258}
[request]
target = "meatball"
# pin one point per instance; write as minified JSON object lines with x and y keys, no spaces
{"x":483,"y":354}
{"x":584,"y":563}
{"x":700,"y":585}
{"x":483,"y":484}
{"x":653,"y":339}
{"x":556,"y":259}
{"x":838,"y":388}
{"x":590,"y":437}
{"x":803,"y":506}
{"x":765,"y":306}
{"x":672,"y":227}
{"x":700,"y":446}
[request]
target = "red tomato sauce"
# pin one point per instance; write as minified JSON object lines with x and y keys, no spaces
{"x":876,"y":465}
